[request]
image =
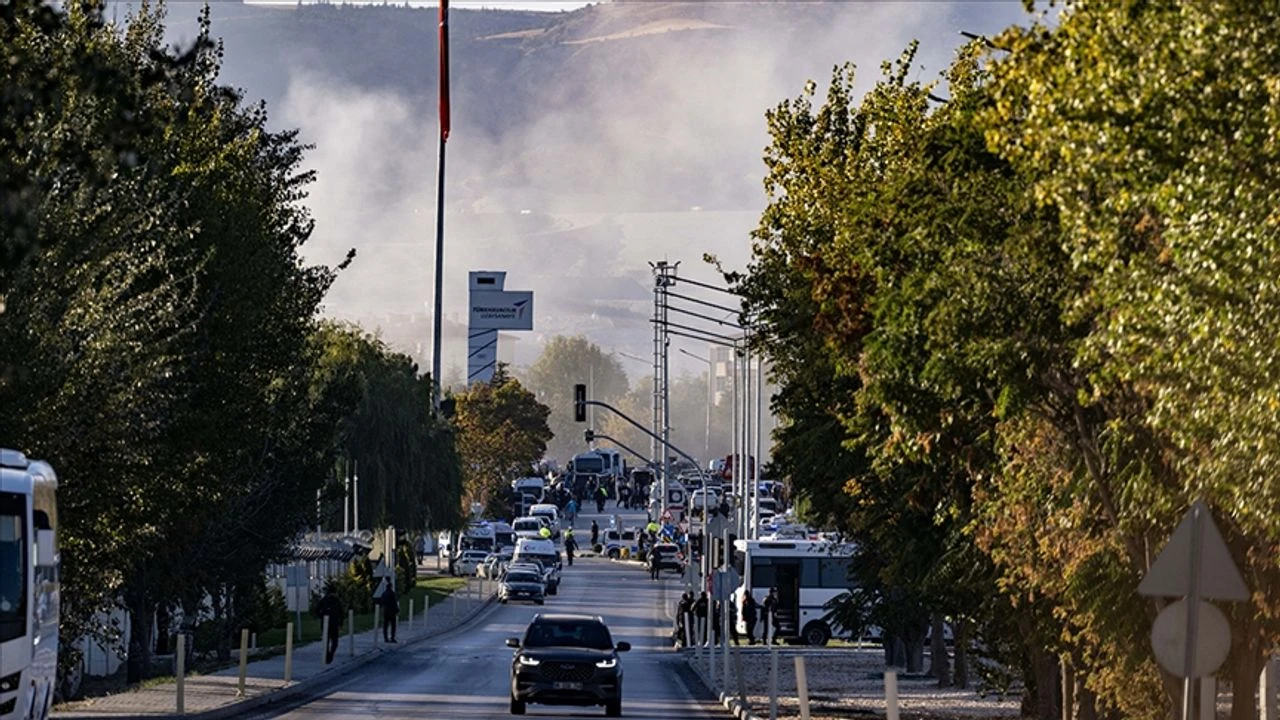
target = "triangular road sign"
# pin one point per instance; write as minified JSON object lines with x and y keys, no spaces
{"x":1170,"y":574}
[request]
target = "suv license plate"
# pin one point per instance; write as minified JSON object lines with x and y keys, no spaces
{"x":567,"y":686}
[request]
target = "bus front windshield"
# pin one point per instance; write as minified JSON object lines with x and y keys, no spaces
{"x":13,"y":566}
{"x":589,"y":465}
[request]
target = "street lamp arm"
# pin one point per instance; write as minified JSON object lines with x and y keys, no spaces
{"x":643,"y":429}
{"x":619,"y":443}
{"x":669,"y":324}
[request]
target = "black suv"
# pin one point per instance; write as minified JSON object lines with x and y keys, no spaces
{"x":566,"y":660}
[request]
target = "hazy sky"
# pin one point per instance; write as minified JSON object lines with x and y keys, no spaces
{"x":563,"y":199}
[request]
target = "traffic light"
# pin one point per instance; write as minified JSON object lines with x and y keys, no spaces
{"x":589,"y":436}
{"x":580,"y":403}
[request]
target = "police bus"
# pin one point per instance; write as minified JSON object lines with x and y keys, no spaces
{"x":28,"y":586}
{"x":807,"y":573}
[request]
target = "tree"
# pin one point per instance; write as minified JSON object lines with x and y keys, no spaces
{"x":565,"y":362}
{"x":502,"y":434}
{"x":407,"y":457}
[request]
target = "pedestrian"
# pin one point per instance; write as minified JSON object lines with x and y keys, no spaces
{"x":700,"y":612}
{"x":571,"y":510}
{"x":602,"y":494}
{"x":770,"y":616}
{"x":750,"y":611}
{"x":570,"y":546}
{"x":624,"y":493}
{"x":331,"y":607}
{"x":390,"y":612}
{"x":655,"y":562}
{"x":595,"y":534}
{"x":717,"y":619}
{"x":683,"y":609}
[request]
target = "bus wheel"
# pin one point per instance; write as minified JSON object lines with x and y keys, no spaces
{"x":816,"y":634}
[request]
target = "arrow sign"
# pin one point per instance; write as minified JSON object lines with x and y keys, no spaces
{"x":1219,"y":579}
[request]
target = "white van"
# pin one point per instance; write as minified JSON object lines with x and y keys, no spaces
{"x":527,"y":528}
{"x":551,"y":513}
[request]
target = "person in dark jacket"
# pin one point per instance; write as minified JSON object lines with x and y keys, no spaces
{"x":717,"y":621}
{"x":390,"y":613}
{"x":595,"y":534}
{"x":570,"y":546}
{"x":750,"y":611}
{"x":330,"y":607}
{"x":682,"y":618}
{"x":655,"y":562}
{"x":700,"y":611}
{"x":770,"y":615}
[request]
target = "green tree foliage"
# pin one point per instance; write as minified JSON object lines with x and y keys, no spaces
{"x":160,"y":345}
{"x":1038,"y":320}
{"x":565,"y":362}
{"x":410,"y":474}
{"x":502,"y":434}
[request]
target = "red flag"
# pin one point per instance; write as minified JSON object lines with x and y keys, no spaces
{"x":444,"y":69}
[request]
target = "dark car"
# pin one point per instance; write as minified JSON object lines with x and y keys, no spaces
{"x":520,"y":585}
{"x":567,"y":660}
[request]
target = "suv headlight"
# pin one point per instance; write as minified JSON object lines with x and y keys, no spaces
{"x":607,"y":663}
{"x":524,"y":660}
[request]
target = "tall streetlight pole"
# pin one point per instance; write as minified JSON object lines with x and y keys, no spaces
{"x":706,"y":443}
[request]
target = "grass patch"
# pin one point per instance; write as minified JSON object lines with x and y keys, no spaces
{"x":432,"y":589}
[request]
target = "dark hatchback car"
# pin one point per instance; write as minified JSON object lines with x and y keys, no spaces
{"x":566,"y":660}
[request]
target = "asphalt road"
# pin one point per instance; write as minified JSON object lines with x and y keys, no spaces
{"x":465,"y":674}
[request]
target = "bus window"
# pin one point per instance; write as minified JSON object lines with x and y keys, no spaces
{"x":762,"y":574}
{"x":835,"y":573}
{"x":810,"y":573}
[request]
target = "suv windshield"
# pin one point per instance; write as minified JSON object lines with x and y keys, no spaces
{"x":523,"y":578}
{"x":568,"y":633}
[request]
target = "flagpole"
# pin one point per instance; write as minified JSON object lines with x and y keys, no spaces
{"x":444,"y":134}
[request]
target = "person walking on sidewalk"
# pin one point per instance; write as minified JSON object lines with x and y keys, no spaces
{"x":655,"y":563}
{"x":390,"y":613}
{"x":571,"y":512}
{"x":700,"y":612}
{"x":330,"y":607}
{"x":595,"y":534}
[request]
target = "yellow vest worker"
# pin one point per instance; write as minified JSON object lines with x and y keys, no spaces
{"x":545,"y":533}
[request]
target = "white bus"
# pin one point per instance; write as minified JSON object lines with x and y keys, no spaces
{"x":807,"y":574}
{"x":28,"y":586}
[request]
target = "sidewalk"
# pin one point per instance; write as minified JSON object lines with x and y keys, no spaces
{"x":210,"y":697}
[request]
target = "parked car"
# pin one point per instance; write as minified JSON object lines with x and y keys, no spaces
{"x":522,"y":584}
{"x":528,"y":527}
{"x":468,"y":562}
{"x":493,"y":566}
{"x":567,"y":660}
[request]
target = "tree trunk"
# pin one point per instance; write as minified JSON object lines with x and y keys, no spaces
{"x":939,"y":661}
{"x":141,"y":638}
{"x":1042,"y":700}
{"x":1246,"y":662}
{"x":962,"y":628}
{"x":1087,"y":701}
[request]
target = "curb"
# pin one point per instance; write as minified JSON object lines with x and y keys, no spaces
{"x":730,"y":702}
{"x":301,"y":688}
